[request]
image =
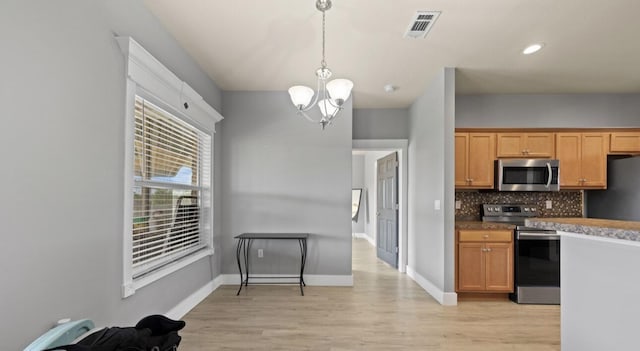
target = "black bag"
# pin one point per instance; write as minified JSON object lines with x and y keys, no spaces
{"x":152,"y":333}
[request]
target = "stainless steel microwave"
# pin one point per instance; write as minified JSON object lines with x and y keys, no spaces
{"x":528,"y":175}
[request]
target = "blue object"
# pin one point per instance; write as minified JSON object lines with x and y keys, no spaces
{"x":63,"y":334}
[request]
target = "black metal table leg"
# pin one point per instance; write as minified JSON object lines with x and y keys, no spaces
{"x":238,"y":250}
{"x":303,"y":260}
{"x":247,"y":252}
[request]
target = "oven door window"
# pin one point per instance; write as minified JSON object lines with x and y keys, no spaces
{"x":538,"y":262}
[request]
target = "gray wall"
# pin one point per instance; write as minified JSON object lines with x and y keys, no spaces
{"x":357,"y":181}
{"x":62,"y":147}
{"x":282,"y":173}
{"x":548,"y":110}
{"x":380,"y":123}
{"x":431,"y":122}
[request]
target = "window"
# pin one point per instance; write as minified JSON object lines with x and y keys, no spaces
{"x":168,"y":188}
{"x":172,"y":187}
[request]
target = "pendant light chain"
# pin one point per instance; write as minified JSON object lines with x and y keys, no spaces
{"x":323,"y":62}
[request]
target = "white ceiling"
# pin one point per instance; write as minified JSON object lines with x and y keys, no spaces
{"x":591,"y":46}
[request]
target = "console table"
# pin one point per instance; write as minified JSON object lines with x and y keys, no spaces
{"x":244,"y":246}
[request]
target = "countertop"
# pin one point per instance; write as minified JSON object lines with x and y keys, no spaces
{"x":625,"y":230}
{"x":479,"y":225}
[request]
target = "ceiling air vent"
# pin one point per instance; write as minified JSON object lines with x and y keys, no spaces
{"x":421,"y":23}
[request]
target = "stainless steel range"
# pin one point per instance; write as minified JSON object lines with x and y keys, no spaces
{"x":537,"y":254}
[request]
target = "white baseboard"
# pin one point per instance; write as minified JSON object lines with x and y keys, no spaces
{"x":444,"y":298}
{"x":366,"y":237}
{"x":309,"y":279}
{"x":186,"y":305}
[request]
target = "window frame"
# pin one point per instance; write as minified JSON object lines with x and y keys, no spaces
{"x":151,"y":80}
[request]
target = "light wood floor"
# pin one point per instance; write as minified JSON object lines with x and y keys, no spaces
{"x":384,"y":310}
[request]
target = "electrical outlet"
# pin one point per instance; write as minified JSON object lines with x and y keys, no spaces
{"x":436,"y":205}
{"x":260,"y":253}
{"x":549,"y":204}
{"x":458,"y":204}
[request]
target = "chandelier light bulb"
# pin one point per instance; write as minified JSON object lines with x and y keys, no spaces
{"x":300,"y":96}
{"x":339,"y":90}
{"x":327,"y":108}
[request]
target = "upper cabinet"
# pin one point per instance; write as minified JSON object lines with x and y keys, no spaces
{"x":582,"y":153}
{"x":625,"y":143}
{"x":583,"y":160}
{"x":525,"y":145}
{"x":475,"y":155}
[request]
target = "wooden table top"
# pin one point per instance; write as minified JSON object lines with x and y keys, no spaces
{"x":272,"y":236}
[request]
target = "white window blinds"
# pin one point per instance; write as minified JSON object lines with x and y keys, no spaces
{"x":172,"y":188}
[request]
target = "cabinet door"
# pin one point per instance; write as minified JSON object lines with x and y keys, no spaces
{"x":480,"y":160}
{"x":510,"y":144}
{"x":568,"y":151}
{"x":499,"y":267}
{"x":539,"y":145}
{"x":625,"y":142}
{"x":462,"y":149}
{"x":594,"y":160}
{"x":471,"y":271}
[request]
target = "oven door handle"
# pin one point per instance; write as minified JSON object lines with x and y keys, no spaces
{"x":537,"y":236}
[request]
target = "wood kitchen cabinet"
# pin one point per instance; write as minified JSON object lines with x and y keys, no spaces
{"x":583,"y":160}
{"x":474,"y":159}
{"x":624,"y":143}
{"x":525,"y":145}
{"x":484,"y":261}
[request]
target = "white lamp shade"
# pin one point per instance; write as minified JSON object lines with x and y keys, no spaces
{"x":340,"y":89}
{"x":300,"y":95}
{"x":327,"y":107}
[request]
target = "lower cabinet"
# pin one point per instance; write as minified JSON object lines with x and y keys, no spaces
{"x":484,"y":261}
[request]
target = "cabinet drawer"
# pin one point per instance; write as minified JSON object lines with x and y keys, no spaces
{"x":625,"y":142}
{"x":485,"y":235}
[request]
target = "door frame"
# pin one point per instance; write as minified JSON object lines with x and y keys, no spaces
{"x":402,"y":147}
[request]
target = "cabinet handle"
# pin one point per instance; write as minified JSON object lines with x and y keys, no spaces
{"x":486,"y":236}
{"x":471,"y":180}
{"x":483,"y":250}
{"x":488,"y":250}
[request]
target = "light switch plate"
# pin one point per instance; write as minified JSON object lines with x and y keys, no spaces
{"x":549,"y":204}
{"x":458,"y":204}
{"x":436,"y":205}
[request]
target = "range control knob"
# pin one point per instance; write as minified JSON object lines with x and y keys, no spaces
{"x":490,"y":209}
{"x":533,"y":209}
{"x":497,"y":209}
{"x":526,"y":209}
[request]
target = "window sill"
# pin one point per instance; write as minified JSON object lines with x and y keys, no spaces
{"x":130,"y":289}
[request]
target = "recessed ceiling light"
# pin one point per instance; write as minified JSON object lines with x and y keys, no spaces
{"x":390,"y":88}
{"x":532,"y":49}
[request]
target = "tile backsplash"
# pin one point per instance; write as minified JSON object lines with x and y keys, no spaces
{"x":564,"y":203}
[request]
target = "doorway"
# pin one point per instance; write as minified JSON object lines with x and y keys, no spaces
{"x":366,"y":153}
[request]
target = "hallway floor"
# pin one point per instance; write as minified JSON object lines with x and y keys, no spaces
{"x":384,"y":310}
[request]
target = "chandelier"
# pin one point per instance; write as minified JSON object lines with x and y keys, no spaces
{"x":331,"y":95}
